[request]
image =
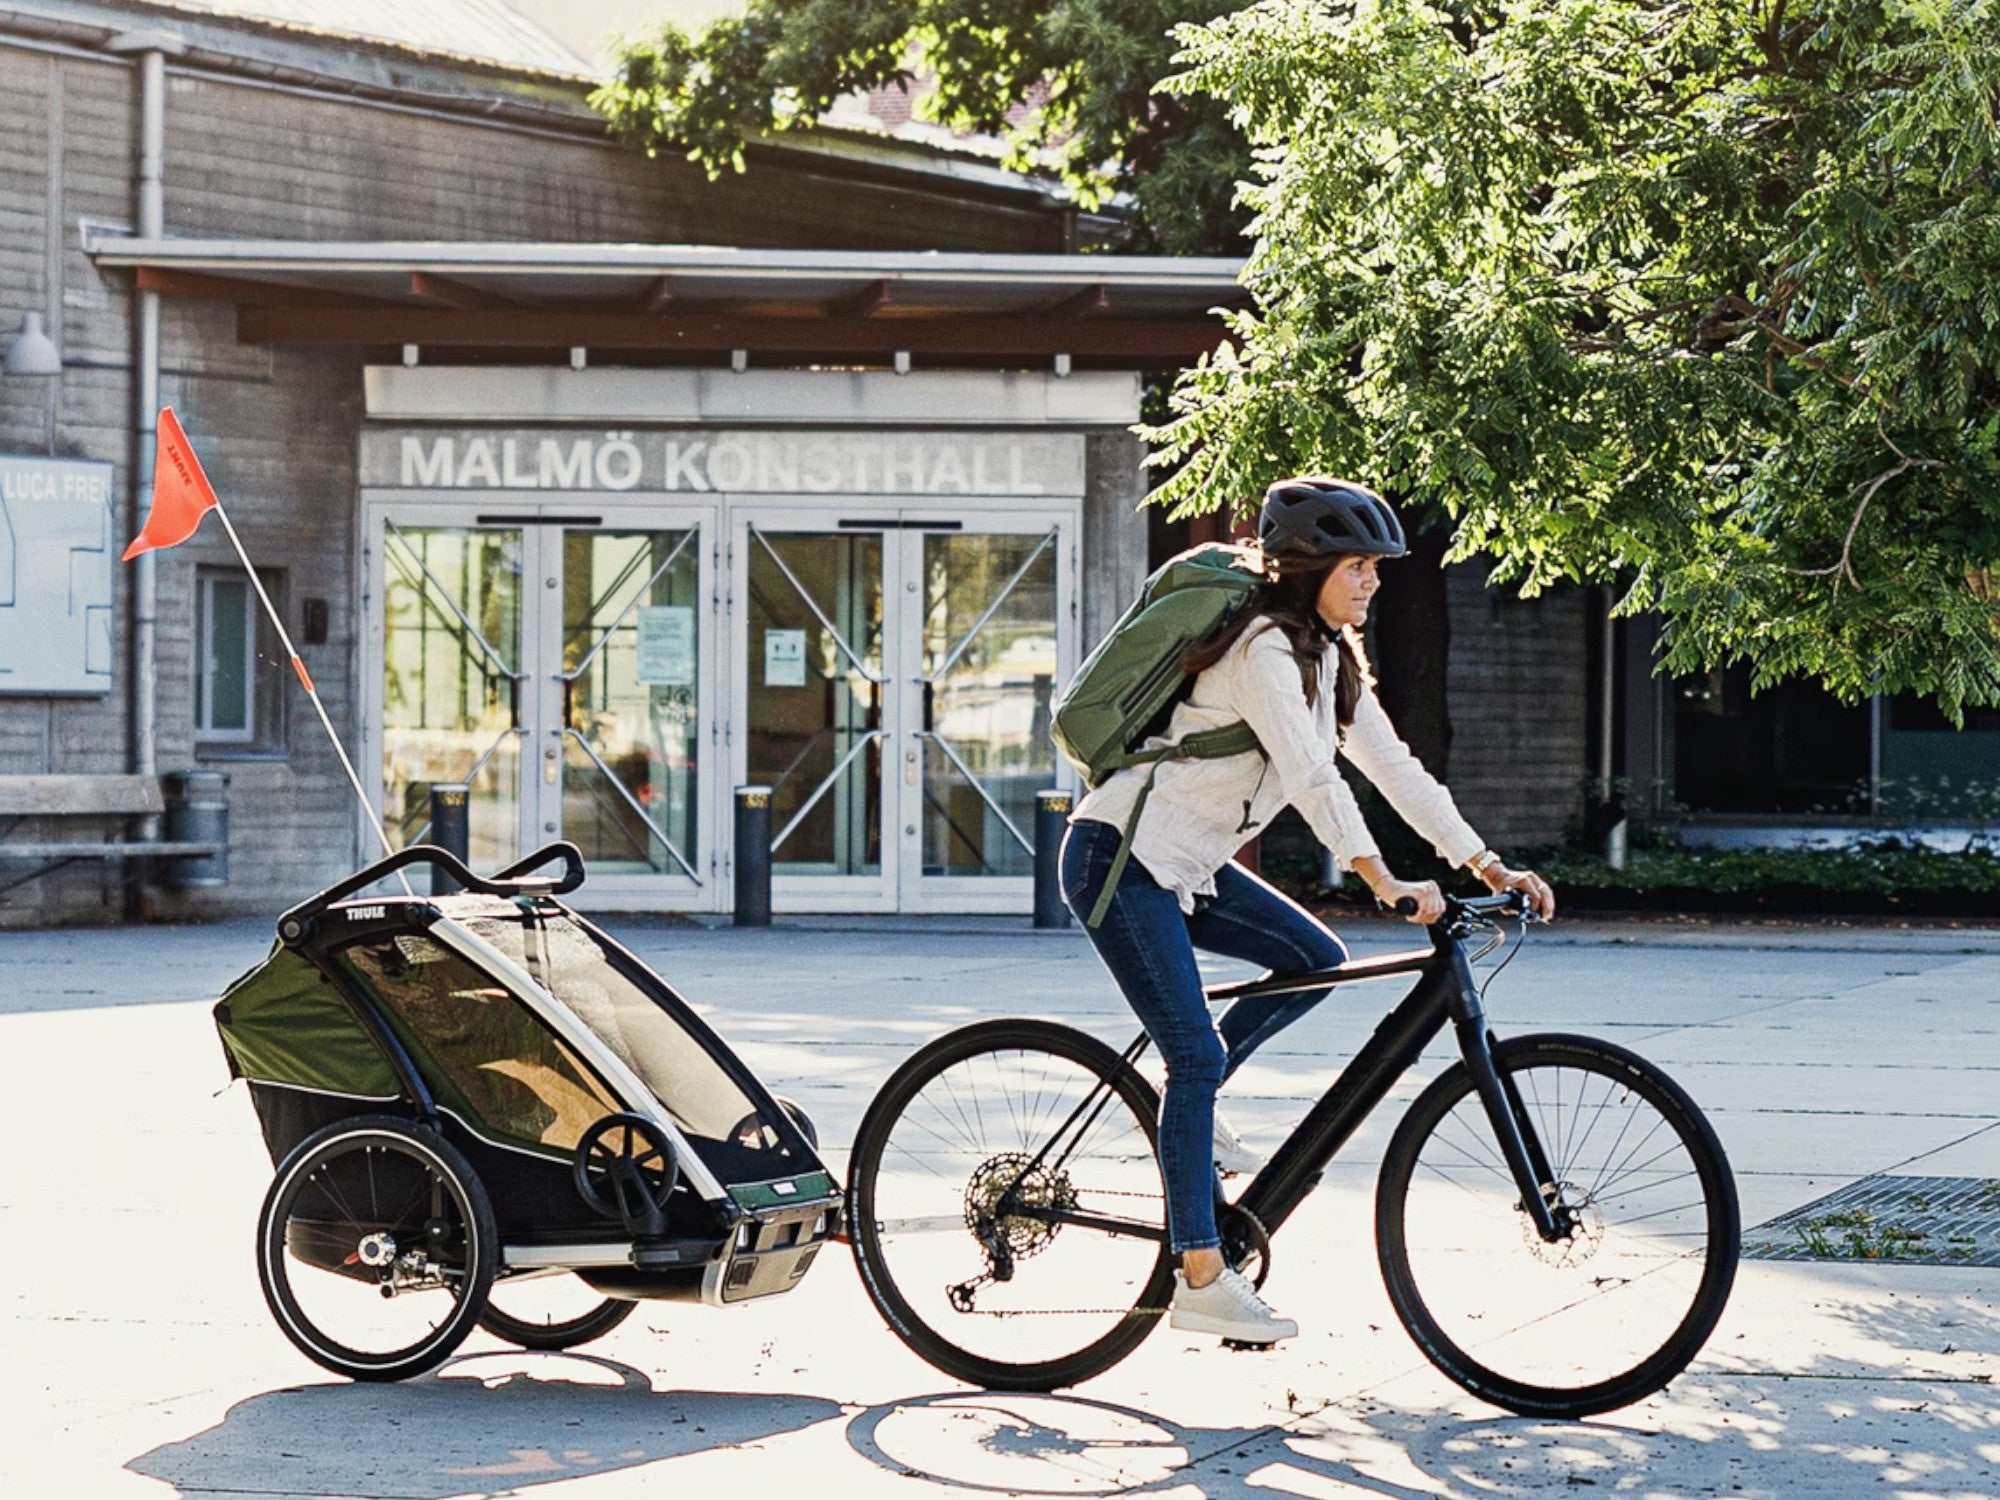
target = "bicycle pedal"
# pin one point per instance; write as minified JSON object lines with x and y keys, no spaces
{"x":1245,"y":1346}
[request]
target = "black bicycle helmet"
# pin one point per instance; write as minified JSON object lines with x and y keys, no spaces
{"x":1313,"y":516}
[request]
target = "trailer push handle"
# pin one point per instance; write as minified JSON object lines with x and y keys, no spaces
{"x":515,"y":880}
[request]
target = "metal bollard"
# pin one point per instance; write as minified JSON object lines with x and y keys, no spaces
{"x":451,"y":829}
{"x":753,"y":856}
{"x":1051,"y":818}
{"x":197,"y":813}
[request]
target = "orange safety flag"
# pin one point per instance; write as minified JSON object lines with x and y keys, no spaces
{"x":182,"y":494}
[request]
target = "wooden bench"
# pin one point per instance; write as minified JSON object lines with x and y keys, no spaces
{"x":117,"y":799}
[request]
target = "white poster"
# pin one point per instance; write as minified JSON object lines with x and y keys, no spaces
{"x":56,"y":551}
{"x":666,"y":645}
{"x":784,"y":658}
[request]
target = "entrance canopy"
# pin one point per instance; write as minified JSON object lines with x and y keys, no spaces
{"x":844,"y":306}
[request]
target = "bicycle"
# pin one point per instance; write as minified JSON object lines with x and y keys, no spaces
{"x":1556,"y":1222}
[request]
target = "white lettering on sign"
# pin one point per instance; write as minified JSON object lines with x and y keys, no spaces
{"x":619,"y":466}
{"x":476,"y":469}
{"x":558,"y":472}
{"x":427,"y":471}
{"x":684,"y":465}
{"x":768,"y":463}
{"x":55,"y":483}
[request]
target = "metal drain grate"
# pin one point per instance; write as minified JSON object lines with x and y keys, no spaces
{"x":1939,"y":1221}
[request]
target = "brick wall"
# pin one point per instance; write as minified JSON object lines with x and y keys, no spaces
{"x":1519,"y":695}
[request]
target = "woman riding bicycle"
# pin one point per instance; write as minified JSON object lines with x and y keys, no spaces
{"x":1290,"y":666}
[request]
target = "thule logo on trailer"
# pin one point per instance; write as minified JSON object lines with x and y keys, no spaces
{"x":367,"y":913}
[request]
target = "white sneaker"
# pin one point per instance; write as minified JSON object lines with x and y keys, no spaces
{"x":1231,"y":1154}
{"x":1228,"y":1306}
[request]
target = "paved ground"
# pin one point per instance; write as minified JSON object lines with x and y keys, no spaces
{"x":140,"y":1360}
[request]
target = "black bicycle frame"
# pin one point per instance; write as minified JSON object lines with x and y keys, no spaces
{"x":1445,"y":993}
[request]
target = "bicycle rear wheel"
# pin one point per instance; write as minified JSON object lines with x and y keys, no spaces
{"x":965,"y":1172}
{"x":1597,"y":1320}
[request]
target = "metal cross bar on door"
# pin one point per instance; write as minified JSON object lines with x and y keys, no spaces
{"x":491,"y":651}
{"x":984,"y":796}
{"x":813,"y":605}
{"x":638,"y":807}
{"x":951,"y":658}
{"x":468,"y":778}
{"x":624,"y":614}
{"x":821,"y":790}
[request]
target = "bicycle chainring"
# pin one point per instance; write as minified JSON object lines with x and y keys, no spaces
{"x":1014,"y":1178}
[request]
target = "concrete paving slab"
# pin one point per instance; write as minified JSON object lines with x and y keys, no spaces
{"x":142,"y":1361}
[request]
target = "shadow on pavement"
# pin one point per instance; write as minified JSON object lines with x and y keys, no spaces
{"x":1887,"y":1389}
{"x":1011,"y":1443}
{"x":483,"y":1424}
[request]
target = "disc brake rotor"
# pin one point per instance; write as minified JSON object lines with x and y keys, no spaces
{"x":1583,"y":1239}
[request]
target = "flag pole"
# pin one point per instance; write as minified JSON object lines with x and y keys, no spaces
{"x":312,"y":692}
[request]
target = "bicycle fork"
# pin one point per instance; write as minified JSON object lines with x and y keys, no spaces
{"x":1513,"y":1130}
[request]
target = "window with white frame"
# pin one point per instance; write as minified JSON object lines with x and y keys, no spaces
{"x":225,"y":662}
{"x":239,"y":667}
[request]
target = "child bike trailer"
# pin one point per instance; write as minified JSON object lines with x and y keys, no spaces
{"x":483,"y":1110}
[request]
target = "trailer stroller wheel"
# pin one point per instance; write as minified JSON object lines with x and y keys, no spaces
{"x":376,"y":1247}
{"x":550,"y":1312}
{"x":625,"y":1168}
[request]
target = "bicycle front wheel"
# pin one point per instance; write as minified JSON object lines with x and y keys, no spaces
{"x":1006,"y":1208}
{"x":1606,"y":1315}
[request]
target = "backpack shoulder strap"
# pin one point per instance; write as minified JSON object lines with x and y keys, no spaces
{"x":1205,"y":744}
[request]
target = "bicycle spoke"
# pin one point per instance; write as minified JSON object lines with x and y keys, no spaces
{"x":991,"y":1153}
{"x":1563,"y":1324}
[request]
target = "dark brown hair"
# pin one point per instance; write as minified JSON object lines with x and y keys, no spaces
{"x":1289,"y":602}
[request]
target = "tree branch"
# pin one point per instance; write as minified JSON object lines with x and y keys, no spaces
{"x":1843,"y":567}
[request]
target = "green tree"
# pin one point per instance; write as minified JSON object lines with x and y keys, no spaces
{"x":1072,"y":85}
{"x":1697,"y":296}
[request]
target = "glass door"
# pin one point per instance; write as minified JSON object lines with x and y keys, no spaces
{"x":895,"y":670}
{"x":621,"y":745}
{"x":451,"y":653}
{"x":985,"y":642}
{"x":562,"y":666}
{"x":813,"y":695}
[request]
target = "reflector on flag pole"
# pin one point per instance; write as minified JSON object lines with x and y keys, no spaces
{"x":182,"y":494}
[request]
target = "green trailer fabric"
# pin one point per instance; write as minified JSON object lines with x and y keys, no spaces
{"x":284,"y":1022}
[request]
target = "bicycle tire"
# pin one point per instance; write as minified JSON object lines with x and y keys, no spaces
{"x":551,"y":1334}
{"x":1074,"y":1061}
{"x":356,"y":1188}
{"x":1658,"y":1259}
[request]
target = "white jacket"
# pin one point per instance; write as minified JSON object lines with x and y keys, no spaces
{"x":1202,"y":811}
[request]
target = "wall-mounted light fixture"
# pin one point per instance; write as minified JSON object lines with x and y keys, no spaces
{"x":33,"y":352}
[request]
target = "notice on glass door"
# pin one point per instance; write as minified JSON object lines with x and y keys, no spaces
{"x":784,"y":658}
{"x":666,"y":645}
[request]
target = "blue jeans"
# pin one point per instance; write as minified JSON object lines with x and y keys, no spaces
{"x":1148,"y":944}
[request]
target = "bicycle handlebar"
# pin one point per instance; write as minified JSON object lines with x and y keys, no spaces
{"x":1507,"y":903}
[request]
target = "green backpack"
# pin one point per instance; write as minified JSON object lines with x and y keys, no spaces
{"x":1125,"y":691}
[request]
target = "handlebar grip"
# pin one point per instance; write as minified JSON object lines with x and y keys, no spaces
{"x":1405,"y":906}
